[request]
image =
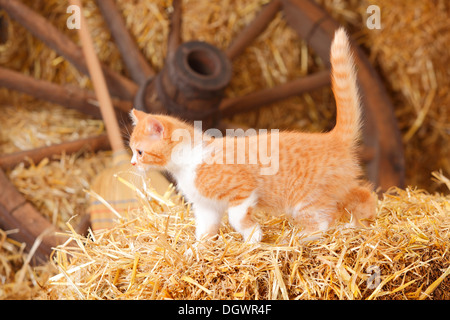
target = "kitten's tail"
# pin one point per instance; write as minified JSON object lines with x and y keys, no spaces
{"x":348,"y":122}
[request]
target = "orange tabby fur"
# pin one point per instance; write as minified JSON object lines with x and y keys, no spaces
{"x":318,"y":177}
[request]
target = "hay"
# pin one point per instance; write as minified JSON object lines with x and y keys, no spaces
{"x":35,"y":124}
{"x":55,"y":187}
{"x":144,"y":257}
{"x":18,"y":280}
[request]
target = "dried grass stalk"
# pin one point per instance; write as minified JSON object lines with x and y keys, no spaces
{"x":55,"y":187}
{"x":37,"y":124}
{"x":18,"y":280}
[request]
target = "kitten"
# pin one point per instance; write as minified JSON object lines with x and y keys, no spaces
{"x":316,"y":180}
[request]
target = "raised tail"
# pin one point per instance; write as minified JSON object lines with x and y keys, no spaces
{"x":345,"y":89}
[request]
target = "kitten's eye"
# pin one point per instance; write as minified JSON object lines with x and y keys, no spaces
{"x":139,"y":152}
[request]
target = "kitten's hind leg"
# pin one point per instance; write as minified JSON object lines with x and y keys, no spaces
{"x":313,"y":220}
{"x":240,"y":218}
{"x":361,"y":203}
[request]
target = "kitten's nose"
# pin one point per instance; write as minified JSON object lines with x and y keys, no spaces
{"x":133,"y":163}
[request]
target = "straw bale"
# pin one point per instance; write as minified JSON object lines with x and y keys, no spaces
{"x":144,"y":257}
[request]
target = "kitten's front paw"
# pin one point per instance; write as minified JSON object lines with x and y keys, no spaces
{"x":253,"y":235}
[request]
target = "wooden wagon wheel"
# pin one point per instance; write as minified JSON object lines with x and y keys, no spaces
{"x":190,"y":85}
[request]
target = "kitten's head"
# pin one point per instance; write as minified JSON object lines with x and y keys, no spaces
{"x":151,"y":141}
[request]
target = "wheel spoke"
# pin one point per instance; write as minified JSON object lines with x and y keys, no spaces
{"x":254,"y":29}
{"x":8,"y":222}
{"x":37,"y":25}
{"x":312,"y":24}
{"x":9,"y":161}
{"x":174,"y":39}
{"x":366,"y":153}
{"x":70,"y":97}
{"x":264,"y":97}
{"x":3,"y":30}
{"x":135,"y":62}
{"x":17,"y":213}
{"x":379,"y":108}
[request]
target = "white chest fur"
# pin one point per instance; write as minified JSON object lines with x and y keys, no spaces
{"x":183,"y":166}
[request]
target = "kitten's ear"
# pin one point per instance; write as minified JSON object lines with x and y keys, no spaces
{"x":136,"y":116}
{"x":154,"y":127}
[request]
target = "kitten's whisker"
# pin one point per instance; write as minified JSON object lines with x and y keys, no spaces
{"x":125,"y":135}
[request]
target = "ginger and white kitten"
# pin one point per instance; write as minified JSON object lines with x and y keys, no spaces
{"x":318,"y":176}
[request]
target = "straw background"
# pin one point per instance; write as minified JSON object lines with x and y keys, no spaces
{"x":409,"y":240}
